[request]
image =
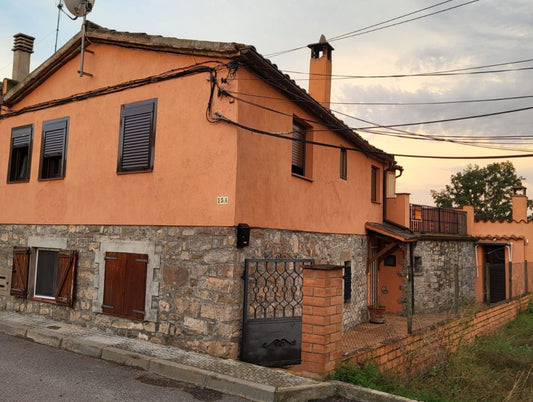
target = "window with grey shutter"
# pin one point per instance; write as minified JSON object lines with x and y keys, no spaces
{"x":137,"y":136}
{"x":20,"y":154}
{"x":53,"y":149}
{"x":298,"y":149}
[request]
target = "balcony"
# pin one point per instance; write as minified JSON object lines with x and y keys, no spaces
{"x":426,"y":219}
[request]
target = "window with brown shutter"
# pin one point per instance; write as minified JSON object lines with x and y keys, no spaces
{"x":125,"y":285}
{"x":19,"y":276}
{"x":343,"y":164}
{"x":374,"y":184}
{"x":137,"y":136}
{"x":20,"y":154}
{"x":54,"y":149}
{"x":298,"y":149}
{"x":52,"y":274}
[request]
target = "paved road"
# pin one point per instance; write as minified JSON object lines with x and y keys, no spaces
{"x":34,"y":372}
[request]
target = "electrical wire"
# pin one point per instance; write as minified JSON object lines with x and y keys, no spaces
{"x":368,"y":29}
{"x":167,"y":75}
{"x":394,"y":103}
{"x":398,"y":133}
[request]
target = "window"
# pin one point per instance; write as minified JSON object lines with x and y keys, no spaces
{"x":416,"y":212}
{"x":347,"y":278}
{"x":125,"y":285}
{"x":137,"y":137}
{"x":20,"y":155}
{"x":374,"y":190}
{"x":343,"y":164}
{"x":298,"y":149}
{"x":50,"y":275}
{"x":390,"y":261}
{"x":53,"y":149}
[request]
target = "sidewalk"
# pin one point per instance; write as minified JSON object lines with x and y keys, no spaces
{"x":228,"y":376}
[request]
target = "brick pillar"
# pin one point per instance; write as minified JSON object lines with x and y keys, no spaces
{"x":321,"y":320}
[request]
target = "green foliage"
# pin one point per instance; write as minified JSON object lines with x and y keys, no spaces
{"x":497,"y":367}
{"x":487,"y":189}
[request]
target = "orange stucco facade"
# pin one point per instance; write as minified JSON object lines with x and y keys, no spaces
{"x":195,"y":161}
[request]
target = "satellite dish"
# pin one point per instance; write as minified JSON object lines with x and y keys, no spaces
{"x":79,"y":8}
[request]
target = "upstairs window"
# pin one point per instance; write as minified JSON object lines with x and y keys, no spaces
{"x":374,"y":184}
{"x":20,"y":154}
{"x":137,"y":137}
{"x":53,"y":149}
{"x":343,"y":164}
{"x":298,"y":149}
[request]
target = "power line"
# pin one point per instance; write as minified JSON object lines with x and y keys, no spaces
{"x":450,"y":119}
{"x":395,"y":103}
{"x":368,"y":29}
{"x":285,"y":136}
{"x":401,"y":133}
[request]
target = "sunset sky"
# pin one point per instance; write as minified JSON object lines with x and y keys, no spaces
{"x":459,"y":37}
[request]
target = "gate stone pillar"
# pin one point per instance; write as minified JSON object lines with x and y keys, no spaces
{"x":321,"y":320}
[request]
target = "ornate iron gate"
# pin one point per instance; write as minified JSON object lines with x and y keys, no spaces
{"x":272,"y":313}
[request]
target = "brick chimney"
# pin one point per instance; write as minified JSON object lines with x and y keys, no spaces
{"x":22,"y":49}
{"x":320,"y":71}
{"x":519,"y":201}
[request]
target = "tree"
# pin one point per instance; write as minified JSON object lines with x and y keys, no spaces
{"x":488,"y":190}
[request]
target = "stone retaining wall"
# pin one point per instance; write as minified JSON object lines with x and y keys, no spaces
{"x":443,"y":263}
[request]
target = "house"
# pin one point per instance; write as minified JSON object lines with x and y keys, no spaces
{"x":503,"y":254}
{"x":146,"y":186}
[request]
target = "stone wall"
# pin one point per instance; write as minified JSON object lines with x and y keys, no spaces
{"x":442,"y":263}
{"x":194,"y":285}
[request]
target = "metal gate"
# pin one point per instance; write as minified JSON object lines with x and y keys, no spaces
{"x":272,"y":313}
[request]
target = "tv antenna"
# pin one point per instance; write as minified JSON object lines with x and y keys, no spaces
{"x":78,"y":8}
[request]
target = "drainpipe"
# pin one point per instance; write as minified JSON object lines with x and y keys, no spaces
{"x":477,"y":262}
{"x":509,"y":248}
{"x":393,"y":167}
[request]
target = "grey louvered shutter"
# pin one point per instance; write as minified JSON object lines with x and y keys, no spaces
{"x":54,"y":137}
{"x":21,"y":136}
{"x":137,"y":136}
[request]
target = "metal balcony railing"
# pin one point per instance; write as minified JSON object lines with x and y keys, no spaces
{"x":426,"y":219}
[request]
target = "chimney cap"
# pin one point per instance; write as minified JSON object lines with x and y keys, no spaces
{"x":519,"y":190}
{"x":23,"y":42}
{"x":322,"y":43}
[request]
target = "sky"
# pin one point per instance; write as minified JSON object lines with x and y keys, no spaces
{"x":460,"y":35}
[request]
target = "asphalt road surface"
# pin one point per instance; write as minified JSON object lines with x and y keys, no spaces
{"x":34,"y":372}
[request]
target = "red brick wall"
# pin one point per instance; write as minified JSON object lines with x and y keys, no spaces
{"x":422,"y":349}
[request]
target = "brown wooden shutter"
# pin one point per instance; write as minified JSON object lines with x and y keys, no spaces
{"x":19,"y":277}
{"x":113,"y":283}
{"x":66,"y":273}
{"x":298,"y":150}
{"x":135,"y":285}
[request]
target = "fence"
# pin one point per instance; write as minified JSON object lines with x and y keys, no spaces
{"x":426,"y":219}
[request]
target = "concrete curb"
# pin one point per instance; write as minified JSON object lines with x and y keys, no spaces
{"x":82,"y":347}
{"x":12,"y":329}
{"x":44,"y":336}
{"x":320,"y":390}
{"x":212,"y":380}
{"x":126,"y":358}
{"x":357,"y":393}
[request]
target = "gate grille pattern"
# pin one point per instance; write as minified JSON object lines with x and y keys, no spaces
{"x":273,"y":288}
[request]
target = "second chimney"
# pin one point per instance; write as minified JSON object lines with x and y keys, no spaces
{"x":320,"y":71}
{"x":22,"y":49}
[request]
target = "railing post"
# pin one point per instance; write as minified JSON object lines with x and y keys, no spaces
{"x":322,"y":308}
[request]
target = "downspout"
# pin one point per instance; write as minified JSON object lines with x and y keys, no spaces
{"x":477,"y":261}
{"x":509,"y":247}
{"x":393,"y":167}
